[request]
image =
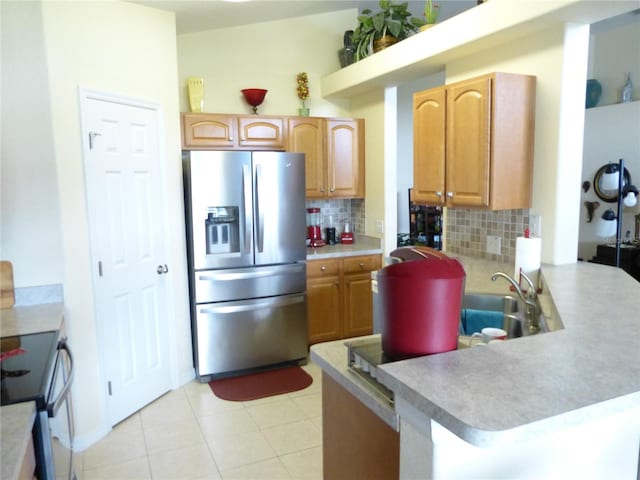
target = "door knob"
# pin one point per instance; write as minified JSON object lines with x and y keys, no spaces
{"x":162,"y":269}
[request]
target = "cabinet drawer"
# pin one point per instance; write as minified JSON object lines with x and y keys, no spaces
{"x":361,"y":264}
{"x":322,"y":268}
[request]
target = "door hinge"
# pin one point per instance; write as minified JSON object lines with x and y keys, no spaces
{"x":109,"y":387}
{"x":92,"y":136}
{"x":100,"y":269}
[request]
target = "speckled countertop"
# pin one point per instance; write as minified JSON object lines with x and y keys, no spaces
{"x":531,"y":385}
{"x":31,"y":319}
{"x":539,"y":384}
{"x":17,"y":421}
{"x":362,"y":245}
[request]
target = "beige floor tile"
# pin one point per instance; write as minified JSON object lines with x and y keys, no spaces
{"x":204,"y":402}
{"x":271,"y":469}
{"x":311,"y":405}
{"x":171,"y":408}
{"x":184,"y":464}
{"x":124,"y":442}
{"x":137,"y":469}
{"x":317,"y":421}
{"x":172,"y":436}
{"x":293,"y":437}
{"x":277,"y":413}
{"x":243,"y":448}
{"x":304,"y":465}
{"x":227,"y":423}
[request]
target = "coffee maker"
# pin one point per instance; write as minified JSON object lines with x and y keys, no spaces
{"x":314,"y":230}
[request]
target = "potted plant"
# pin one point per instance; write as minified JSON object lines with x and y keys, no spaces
{"x":394,"y":22}
{"x":431,"y":12}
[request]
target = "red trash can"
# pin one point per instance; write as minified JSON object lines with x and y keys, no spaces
{"x":421,"y":300}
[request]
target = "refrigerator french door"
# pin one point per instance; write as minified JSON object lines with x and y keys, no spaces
{"x":246,"y":247}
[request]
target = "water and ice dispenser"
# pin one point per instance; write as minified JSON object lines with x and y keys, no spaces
{"x":222,"y":227}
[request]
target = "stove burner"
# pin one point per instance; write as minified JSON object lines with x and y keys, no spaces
{"x":13,"y":373}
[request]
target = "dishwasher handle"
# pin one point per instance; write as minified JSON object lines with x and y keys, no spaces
{"x":54,"y":405}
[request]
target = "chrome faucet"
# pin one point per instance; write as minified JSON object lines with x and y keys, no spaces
{"x":532,"y":312}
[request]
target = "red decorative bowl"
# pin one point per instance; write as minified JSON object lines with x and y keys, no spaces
{"x":254,"y":96}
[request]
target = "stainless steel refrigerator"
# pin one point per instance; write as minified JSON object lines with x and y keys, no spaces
{"x":246,"y":249}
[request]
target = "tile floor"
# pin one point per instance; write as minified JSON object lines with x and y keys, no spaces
{"x":191,"y":434}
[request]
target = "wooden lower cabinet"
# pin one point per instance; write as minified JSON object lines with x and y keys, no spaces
{"x":339,"y":297}
{"x":356,"y":443}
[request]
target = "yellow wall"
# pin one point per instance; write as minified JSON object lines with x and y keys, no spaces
{"x":125,"y":49}
{"x":265,"y":55}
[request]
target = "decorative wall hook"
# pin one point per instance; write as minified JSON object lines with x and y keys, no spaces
{"x":591,"y":207}
{"x":586,"y":185}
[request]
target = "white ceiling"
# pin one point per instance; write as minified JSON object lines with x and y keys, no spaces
{"x":198,"y":15}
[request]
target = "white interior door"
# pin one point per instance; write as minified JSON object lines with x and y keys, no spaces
{"x":126,"y":215}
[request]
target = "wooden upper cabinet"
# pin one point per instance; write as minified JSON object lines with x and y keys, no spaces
{"x":233,"y":132}
{"x":468,"y":143}
{"x":429,"y":146}
{"x":345,"y":158}
{"x":208,"y":130}
{"x":479,"y":146}
{"x":307,"y":135}
{"x":262,"y":132}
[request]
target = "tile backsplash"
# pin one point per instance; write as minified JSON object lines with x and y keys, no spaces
{"x":341,"y":211}
{"x":466,"y":231}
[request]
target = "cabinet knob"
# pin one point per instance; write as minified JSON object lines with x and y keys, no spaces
{"x":323,"y":268}
{"x":438,"y":194}
{"x":322,"y":190}
{"x":450,"y":194}
{"x":332,"y":190}
{"x":361,"y":264}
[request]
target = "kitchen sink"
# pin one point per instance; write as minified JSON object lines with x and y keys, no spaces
{"x":512,"y":309}
{"x":494,"y":303}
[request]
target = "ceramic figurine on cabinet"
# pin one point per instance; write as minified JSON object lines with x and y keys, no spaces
{"x":627,"y":90}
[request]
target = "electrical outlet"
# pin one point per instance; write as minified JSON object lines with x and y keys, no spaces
{"x":493,"y":244}
{"x":379,"y":226}
{"x":535,"y":225}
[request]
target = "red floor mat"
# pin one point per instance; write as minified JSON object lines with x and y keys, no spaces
{"x":262,"y":384}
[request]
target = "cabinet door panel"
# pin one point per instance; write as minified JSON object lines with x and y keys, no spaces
{"x":345,"y":150}
{"x":468,"y":143}
{"x":262,"y":132}
{"x":306,"y":135}
{"x":207,"y":130}
{"x":429,"y":146}
{"x":323,"y":309}
{"x":358,"y":305}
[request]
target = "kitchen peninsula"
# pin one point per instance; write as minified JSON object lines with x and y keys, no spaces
{"x":562,"y":404}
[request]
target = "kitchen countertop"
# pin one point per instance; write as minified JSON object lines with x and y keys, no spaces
{"x":539,"y":384}
{"x":31,"y":319}
{"x":17,"y":421}
{"x":362,"y":245}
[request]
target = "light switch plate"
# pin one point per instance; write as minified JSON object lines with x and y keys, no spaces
{"x":494,"y":244}
{"x":535,"y":225}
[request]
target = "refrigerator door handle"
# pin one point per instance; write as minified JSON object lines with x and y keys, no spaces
{"x":247,"y":275}
{"x":268,"y":303}
{"x":259,"y":211}
{"x":248,"y":210}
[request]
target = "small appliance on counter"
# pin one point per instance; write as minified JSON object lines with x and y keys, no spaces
{"x":330,"y":231}
{"x":421,"y":300}
{"x":314,"y":230}
{"x":346,"y":236}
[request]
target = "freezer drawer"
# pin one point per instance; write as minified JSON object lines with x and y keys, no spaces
{"x":252,"y":282}
{"x":236,"y":336}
